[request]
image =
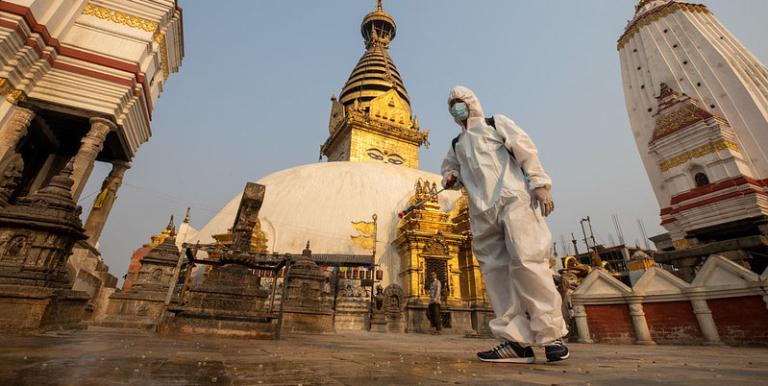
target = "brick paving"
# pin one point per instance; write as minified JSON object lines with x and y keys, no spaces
{"x":125,"y":357}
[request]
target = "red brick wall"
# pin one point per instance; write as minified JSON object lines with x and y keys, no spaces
{"x":742,"y":320}
{"x":610,"y":323}
{"x":672,"y":323}
{"x":133,"y":268}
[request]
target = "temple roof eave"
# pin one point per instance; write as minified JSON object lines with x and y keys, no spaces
{"x":641,"y":20}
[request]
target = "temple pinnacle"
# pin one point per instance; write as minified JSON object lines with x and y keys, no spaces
{"x":378,"y":27}
{"x":170,"y":224}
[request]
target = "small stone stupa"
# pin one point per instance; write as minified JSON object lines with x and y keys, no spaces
{"x":37,"y":233}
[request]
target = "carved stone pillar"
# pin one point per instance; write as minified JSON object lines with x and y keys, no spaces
{"x":704,"y":317}
{"x":639,"y":323}
{"x":99,"y":213}
{"x":580,"y":314}
{"x":15,"y":129}
{"x":91,"y":146}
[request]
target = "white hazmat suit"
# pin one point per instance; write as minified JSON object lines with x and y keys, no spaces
{"x":511,"y":240}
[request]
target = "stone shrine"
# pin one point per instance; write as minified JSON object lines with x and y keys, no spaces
{"x":304,"y":309}
{"x":229,"y":300}
{"x":37,"y":232}
{"x":143,"y":305}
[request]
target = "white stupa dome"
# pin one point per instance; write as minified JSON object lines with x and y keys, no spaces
{"x":319,"y":202}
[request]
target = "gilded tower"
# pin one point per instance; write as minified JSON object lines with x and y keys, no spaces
{"x":371,"y":120}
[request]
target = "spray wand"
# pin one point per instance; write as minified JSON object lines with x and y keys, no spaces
{"x":411,"y":208}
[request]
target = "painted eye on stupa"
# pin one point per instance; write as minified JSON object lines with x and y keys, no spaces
{"x":375,"y":154}
{"x":395,"y":159}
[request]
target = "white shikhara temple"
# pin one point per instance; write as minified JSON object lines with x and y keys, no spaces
{"x":698,"y":106}
{"x":79,"y":82}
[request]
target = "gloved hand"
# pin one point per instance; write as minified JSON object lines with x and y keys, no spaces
{"x":543,"y":199}
{"x":450,"y":181}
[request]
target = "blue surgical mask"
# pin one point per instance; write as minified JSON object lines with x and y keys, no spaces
{"x":460,"y":111}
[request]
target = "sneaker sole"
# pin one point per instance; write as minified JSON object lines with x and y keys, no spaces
{"x":562,"y":358}
{"x":510,"y":360}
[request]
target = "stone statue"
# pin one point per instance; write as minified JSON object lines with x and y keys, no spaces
{"x":378,"y":299}
{"x":326,"y":287}
{"x":14,"y":248}
{"x":571,"y":276}
{"x":10,"y":177}
{"x":393,"y":295}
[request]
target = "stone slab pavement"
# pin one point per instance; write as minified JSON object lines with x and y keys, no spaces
{"x":127,"y":357}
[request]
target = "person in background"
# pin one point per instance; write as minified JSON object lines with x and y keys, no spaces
{"x":433,"y":312}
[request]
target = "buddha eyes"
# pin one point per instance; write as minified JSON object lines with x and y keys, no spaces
{"x":375,"y":155}
{"x":393,"y":159}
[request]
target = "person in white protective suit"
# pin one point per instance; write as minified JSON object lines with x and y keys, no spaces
{"x":509,"y":196}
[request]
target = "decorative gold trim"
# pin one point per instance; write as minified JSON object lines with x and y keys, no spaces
{"x":12,"y":95}
{"x":701,"y":151}
{"x":5,"y":87}
{"x":680,"y":245}
{"x":16,"y":95}
{"x":652,"y":16}
{"x":160,"y":39}
{"x":685,"y":116}
{"x":134,"y":22}
{"x":120,"y":18}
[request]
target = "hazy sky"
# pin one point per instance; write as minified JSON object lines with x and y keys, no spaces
{"x":252,"y":97}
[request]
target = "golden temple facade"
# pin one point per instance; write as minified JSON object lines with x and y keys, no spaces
{"x":430,"y":239}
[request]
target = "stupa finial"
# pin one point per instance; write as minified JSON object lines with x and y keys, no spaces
{"x":378,"y":27}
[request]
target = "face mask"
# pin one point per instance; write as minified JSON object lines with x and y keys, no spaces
{"x":460,"y":111}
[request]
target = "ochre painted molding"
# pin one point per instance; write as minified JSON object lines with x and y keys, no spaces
{"x":698,"y":152}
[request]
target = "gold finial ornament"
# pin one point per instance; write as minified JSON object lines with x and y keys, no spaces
{"x":641,"y":4}
{"x":378,"y":27}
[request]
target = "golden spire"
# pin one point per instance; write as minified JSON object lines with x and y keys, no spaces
{"x":375,"y":73}
{"x":373,"y":108}
{"x":169,"y":231}
{"x":170,"y":225}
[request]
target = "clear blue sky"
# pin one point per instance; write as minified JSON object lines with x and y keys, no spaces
{"x":252,"y":97}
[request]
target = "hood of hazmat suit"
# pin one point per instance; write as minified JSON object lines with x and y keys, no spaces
{"x":491,"y":163}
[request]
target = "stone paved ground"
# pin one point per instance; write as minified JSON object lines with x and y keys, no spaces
{"x":120,"y":357}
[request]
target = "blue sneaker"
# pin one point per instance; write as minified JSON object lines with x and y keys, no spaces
{"x":556,"y":351}
{"x":508,"y":352}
